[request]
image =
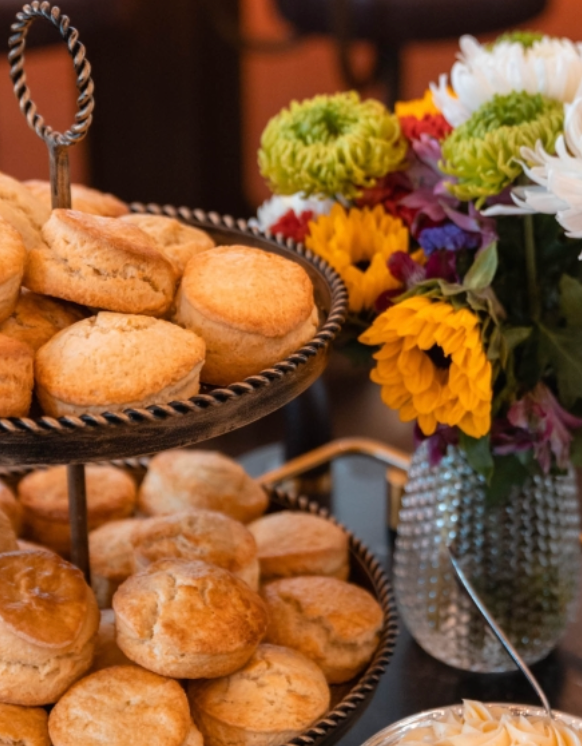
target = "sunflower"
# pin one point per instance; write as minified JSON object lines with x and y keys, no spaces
{"x":358,"y":245}
{"x":432,"y":366}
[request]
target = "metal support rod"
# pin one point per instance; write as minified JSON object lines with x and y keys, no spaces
{"x":60,"y":176}
{"x":78,"y":518}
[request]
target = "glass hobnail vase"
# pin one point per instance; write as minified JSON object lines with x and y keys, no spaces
{"x":522,"y":556}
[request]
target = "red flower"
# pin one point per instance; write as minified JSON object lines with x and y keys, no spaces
{"x":388,"y":191}
{"x":292,"y":225}
{"x":434,"y":125}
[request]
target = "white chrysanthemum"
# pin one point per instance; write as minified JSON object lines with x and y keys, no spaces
{"x":552,"y":67}
{"x":274,"y":208}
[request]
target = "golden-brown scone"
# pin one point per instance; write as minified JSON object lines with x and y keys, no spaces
{"x":48,"y":624}
{"x":177,"y":241}
{"x":83,"y":198}
{"x":102,"y":263}
{"x":111,"y":553}
{"x":336,"y":624}
{"x":11,"y":507}
{"x":16,"y":377}
{"x":31,"y":546}
{"x":23,"y":726}
{"x":181,"y":479}
{"x":107,"y":653}
{"x":294,"y":543}
{"x":8,"y":540}
{"x":278,"y":694}
{"x":121,"y":706}
{"x":114,"y":361}
{"x":12,"y":261}
{"x":36,"y":319}
{"x":188,"y":619}
{"x":251,"y":307}
{"x":111,"y":494}
{"x":197,"y":534}
{"x":15,"y":193}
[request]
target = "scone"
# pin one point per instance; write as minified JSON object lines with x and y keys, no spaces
{"x":113,"y":361}
{"x":36,"y":319}
{"x":198,"y":535}
{"x":111,"y":553}
{"x":181,"y":479}
{"x":188,"y":619}
{"x":11,"y":507}
{"x":102,"y":263}
{"x":251,"y":307}
{"x":15,"y":194}
{"x":293,"y":543}
{"x":23,"y":726}
{"x":278,"y":694}
{"x":107,"y":653}
{"x":43,"y":494}
{"x":177,"y":241}
{"x":121,"y":706}
{"x":16,"y":377}
{"x":8,"y":540}
{"x":12,"y":261}
{"x":83,"y":198}
{"x":48,"y":623}
{"x":334,"y":623}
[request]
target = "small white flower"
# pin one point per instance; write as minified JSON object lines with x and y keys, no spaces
{"x":552,"y":67}
{"x":274,"y":208}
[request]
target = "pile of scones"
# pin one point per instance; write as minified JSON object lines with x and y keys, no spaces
{"x":103,"y":310}
{"x":207,"y":622}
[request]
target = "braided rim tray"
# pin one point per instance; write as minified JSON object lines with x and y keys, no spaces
{"x":88,"y":437}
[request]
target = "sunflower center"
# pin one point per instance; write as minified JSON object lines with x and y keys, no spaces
{"x":438,"y":357}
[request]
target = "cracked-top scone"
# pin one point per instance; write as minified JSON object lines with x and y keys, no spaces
{"x":111,"y":494}
{"x":111,"y":553}
{"x":48,"y":624}
{"x":252,"y":308}
{"x":120,"y":706}
{"x":177,"y":241}
{"x":278,"y":694}
{"x":188,"y":619}
{"x":293,"y":543}
{"x":102,"y":263}
{"x":16,"y":377}
{"x":36,"y":318}
{"x":12,"y":261}
{"x":23,"y":726}
{"x":113,"y":361}
{"x":336,"y":624}
{"x":107,"y":652}
{"x":179,"y":479}
{"x":197,"y":534}
{"x":83,"y":198}
{"x":15,"y":193}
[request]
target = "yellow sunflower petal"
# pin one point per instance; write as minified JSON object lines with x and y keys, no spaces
{"x":427,"y":423}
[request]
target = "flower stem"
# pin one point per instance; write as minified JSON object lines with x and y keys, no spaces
{"x":533,"y":292}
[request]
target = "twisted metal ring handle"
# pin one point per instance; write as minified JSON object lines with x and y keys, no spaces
{"x":85,"y":101}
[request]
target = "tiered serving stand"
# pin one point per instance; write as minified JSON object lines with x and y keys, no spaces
{"x":75,"y":441}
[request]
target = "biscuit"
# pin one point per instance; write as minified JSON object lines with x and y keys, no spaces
{"x":112,"y":362}
{"x":120,"y":706}
{"x":198,"y":535}
{"x":181,"y":479}
{"x":11,"y":507}
{"x":36,"y":318}
{"x":16,"y":377}
{"x":111,"y":553}
{"x":31,"y":546}
{"x":107,"y":653}
{"x":8,"y":540}
{"x":334,"y":623}
{"x":15,"y":194}
{"x":294,"y":543}
{"x":48,"y":624}
{"x":252,"y":308}
{"x":23,"y":726}
{"x":12,"y":261}
{"x":111,"y":494}
{"x":177,"y":241}
{"x":278,"y":694}
{"x":83,"y":198}
{"x":188,"y":619}
{"x":102,"y":263}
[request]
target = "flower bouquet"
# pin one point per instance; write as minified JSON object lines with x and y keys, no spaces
{"x":456,"y":224}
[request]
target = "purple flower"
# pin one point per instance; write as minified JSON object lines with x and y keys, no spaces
{"x":438,"y":442}
{"x":403,"y":267}
{"x":448,"y":236}
{"x":442,"y":265}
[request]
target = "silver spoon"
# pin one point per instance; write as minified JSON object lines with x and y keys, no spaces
{"x":498,"y":632}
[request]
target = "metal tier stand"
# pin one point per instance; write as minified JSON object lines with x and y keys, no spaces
{"x":58,"y":145}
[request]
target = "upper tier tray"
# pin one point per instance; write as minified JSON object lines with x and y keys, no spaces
{"x":134,"y":432}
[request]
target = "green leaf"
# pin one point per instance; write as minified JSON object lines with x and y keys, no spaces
{"x":564,"y":349}
{"x":483,"y":269}
{"x":478,"y":452}
{"x":508,"y":472}
{"x":571,"y":300}
{"x":515,"y":335}
{"x":576,"y":448}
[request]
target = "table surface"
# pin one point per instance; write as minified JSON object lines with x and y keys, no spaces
{"x":414,"y":681}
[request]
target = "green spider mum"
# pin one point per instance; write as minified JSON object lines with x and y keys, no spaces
{"x":482,"y":154}
{"x":330,"y":145}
